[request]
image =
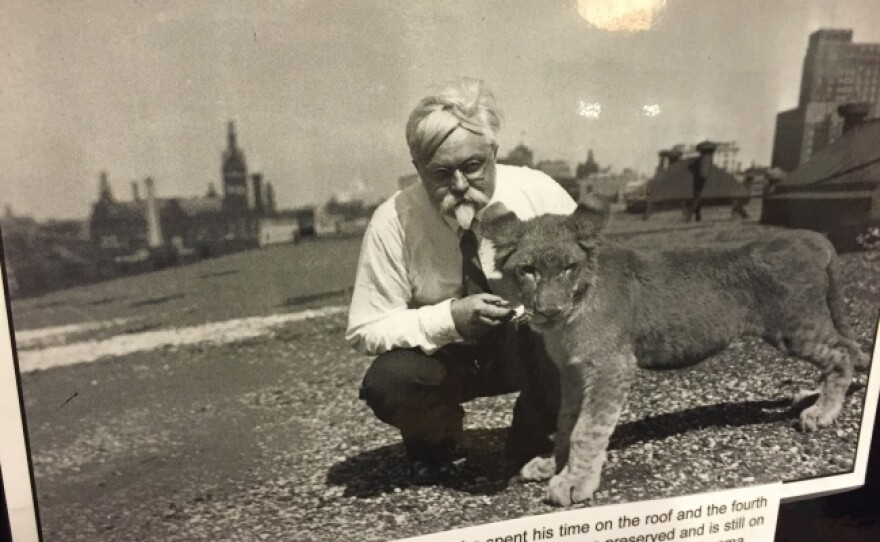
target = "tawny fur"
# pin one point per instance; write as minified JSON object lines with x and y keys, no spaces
{"x":604,"y":310}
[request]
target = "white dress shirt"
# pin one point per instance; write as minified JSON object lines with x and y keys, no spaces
{"x":409,"y":269}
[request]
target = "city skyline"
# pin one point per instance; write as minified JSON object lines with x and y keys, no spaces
{"x":320,"y":93}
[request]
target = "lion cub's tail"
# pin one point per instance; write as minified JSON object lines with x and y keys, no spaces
{"x":836,"y":304}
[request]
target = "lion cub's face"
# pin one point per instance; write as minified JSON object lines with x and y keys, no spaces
{"x":550,"y":259}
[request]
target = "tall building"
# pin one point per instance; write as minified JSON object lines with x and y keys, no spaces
{"x":836,"y":71}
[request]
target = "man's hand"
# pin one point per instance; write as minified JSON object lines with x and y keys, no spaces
{"x":476,"y":314}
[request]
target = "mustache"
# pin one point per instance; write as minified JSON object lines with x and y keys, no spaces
{"x":473,"y":196}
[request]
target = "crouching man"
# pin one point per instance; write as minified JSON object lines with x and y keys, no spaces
{"x":421,"y":300}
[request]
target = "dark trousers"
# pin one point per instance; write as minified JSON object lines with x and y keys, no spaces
{"x":422,"y":394}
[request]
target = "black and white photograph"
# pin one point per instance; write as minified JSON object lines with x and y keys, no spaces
{"x":316,"y":270}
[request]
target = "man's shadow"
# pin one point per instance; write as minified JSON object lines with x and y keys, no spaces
{"x":383,"y":470}
{"x":486,"y":471}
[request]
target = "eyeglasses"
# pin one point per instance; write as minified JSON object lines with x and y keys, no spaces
{"x":472,"y":170}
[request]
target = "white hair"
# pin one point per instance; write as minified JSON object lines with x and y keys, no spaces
{"x":465,"y":103}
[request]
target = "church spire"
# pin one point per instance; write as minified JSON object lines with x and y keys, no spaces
{"x":236,"y":188}
{"x":587,"y":168}
{"x":104,"y":192}
{"x":231,"y":136}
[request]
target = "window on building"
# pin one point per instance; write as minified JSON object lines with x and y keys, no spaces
{"x":109,"y":242}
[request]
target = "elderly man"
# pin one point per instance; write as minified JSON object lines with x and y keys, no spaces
{"x":421,"y":300}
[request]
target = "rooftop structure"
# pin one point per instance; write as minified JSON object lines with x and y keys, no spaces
{"x":836,"y":71}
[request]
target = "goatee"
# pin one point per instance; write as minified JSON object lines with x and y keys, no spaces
{"x":464,"y":213}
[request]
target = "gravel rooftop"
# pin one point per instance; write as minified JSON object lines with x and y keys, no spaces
{"x":265,"y":439}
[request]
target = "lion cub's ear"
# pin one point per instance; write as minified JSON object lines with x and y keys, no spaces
{"x":493,"y":212}
{"x":590,"y":217}
{"x":503,"y":228}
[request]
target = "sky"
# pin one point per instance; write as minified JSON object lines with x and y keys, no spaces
{"x":320,"y":90}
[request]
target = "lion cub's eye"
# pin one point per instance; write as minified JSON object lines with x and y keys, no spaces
{"x":570,"y":268}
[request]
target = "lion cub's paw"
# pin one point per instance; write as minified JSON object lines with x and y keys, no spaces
{"x":565,"y":489}
{"x":538,"y":469}
{"x":814,"y":417}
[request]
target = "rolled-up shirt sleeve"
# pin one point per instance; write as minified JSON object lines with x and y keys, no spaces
{"x":380,"y":317}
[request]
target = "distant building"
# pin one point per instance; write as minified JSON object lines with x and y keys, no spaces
{"x":49,"y":255}
{"x":519,"y":156}
{"x":836,"y":71}
{"x":588,"y":168}
{"x":123,"y":229}
{"x":673,"y":184}
{"x":836,"y":191}
{"x":757,"y":179}
{"x":348,"y":211}
{"x":609,"y":185}
{"x":559,"y":170}
{"x":347,"y":216}
{"x":555,"y":168}
{"x":634,"y":196}
{"x":724,"y":157}
{"x":561,"y":173}
{"x":164,"y":230}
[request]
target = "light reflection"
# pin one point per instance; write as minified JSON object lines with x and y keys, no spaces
{"x":651,"y":110}
{"x":590,"y":110}
{"x":620,"y":15}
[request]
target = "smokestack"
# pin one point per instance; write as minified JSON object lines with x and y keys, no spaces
{"x":258,"y":192}
{"x":154,"y":228}
{"x":706,"y":150}
{"x":270,"y":199}
{"x":853,"y":114}
{"x":135,"y":192}
{"x":673,"y":156}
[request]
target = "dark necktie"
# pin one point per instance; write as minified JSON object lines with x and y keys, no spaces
{"x":473,"y":278}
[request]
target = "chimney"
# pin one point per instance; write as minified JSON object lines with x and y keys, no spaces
{"x":664,"y":160}
{"x":154,"y":228}
{"x":258,"y":192}
{"x":270,"y":199}
{"x":706,"y":150}
{"x":853,"y":114}
{"x":673,"y":156}
{"x":135,"y":193}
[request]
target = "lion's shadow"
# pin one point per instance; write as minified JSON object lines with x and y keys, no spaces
{"x":486,"y":472}
{"x":740,"y":414}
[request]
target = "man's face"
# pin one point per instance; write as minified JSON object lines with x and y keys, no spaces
{"x":460,"y":177}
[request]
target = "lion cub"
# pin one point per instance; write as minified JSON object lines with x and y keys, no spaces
{"x":603,"y":310}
